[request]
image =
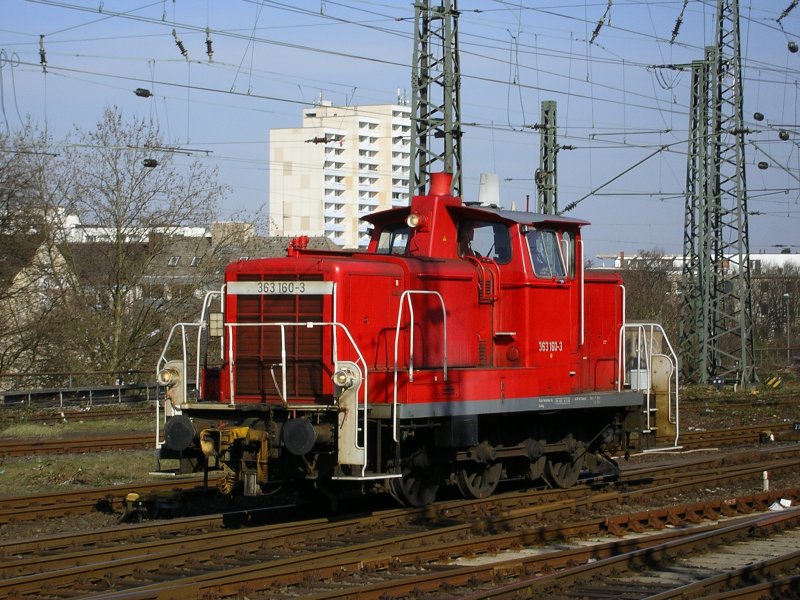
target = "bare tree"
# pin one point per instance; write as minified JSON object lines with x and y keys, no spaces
{"x":29,"y":260}
{"x":776,"y":300}
{"x":17,"y":182}
{"x":121,"y":178}
{"x":650,"y":283}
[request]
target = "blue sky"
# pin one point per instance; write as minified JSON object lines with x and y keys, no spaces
{"x":272,"y":59}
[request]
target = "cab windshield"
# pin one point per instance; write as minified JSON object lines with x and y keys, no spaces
{"x":546,"y":256}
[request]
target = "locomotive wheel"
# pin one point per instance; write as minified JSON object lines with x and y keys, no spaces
{"x":416,"y":487}
{"x":561,"y":470}
{"x":478,"y":480}
{"x":420,"y":481}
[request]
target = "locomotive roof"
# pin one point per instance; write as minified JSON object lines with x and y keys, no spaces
{"x":516,"y":216}
{"x":478,"y":212}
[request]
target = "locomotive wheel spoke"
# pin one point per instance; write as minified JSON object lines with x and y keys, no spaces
{"x":561,"y":470}
{"x":478,"y":480}
{"x":536,"y":470}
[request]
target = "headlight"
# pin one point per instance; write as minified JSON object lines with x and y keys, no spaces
{"x":168,"y":377}
{"x":416,"y":221}
{"x":343,"y":378}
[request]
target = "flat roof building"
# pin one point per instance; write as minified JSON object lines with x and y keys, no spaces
{"x":674,"y":262}
{"x":341,"y":164}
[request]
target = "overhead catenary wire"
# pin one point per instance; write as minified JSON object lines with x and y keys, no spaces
{"x":676,"y":109}
{"x":575,"y":203}
{"x":263,"y":96}
{"x":11,"y":61}
{"x":241,"y":36}
{"x":517,"y":6}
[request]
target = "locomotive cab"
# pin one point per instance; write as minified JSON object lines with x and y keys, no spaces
{"x":464,"y":346}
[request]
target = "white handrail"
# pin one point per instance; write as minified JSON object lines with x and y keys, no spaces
{"x":406,"y":297}
{"x":645,"y":340}
{"x":162,"y":360}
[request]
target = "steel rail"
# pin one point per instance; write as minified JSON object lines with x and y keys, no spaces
{"x":217,"y":551}
{"x":67,"y":415}
{"x":79,"y":444}
{"x":55,"y":505}
{"x":661,"y":553}
{"x":324,"y":568}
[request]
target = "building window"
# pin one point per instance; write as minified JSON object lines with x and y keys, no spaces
{"x":173,"y":261}
{"x":196,"y":260}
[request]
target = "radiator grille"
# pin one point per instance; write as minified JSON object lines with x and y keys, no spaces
{"x":258,"y":349}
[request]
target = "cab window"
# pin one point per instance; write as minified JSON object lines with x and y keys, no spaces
{"x":568,"y":252}
{"x":546,"y":255}
{"x":484,"y":239}
{"x":393,"y":239}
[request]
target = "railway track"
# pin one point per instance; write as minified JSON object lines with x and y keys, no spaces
{"x":48,"y":505}
{"x":77,"y":444}
{"x":56,"y":415}
{"x":752,"y":434}
{"x":53,"y":505}
{"x":767,"y":398}
{"x":751,"y":557}
{"x":388,"y":553}
{"x":408,"y":559}
{"x":666,"y":477}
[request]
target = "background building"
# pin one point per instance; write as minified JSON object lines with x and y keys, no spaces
{"x":673,"y":263}
{"x":343,"y":163}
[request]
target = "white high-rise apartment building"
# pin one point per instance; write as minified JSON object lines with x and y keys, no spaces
{"x":343,"y":163}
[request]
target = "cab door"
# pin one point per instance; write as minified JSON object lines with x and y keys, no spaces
{"x":553,"y":310}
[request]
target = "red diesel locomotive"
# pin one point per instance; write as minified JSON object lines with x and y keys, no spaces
{"x":467,"y":344}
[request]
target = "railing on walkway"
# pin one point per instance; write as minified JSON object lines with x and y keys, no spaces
{"x":84,"y":395}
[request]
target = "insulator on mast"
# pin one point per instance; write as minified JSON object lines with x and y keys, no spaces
{"x":787,"y":10}
{"x":179,"y":44}
{"x":678,"y":22}
{"x":42,"y":53}
{"x":601,"y":22}
{"x":209,"y":49}
{"x":677,"y":28}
